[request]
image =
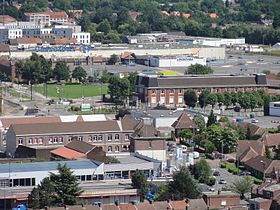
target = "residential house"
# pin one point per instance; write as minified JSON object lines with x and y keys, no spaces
{"x":128,"y":58}
{"x":146,"y":140}
{"x":221,"y":199}
{"x":169,"y":91}
{"x":262,"y":167}
{"x":260,"y":203}
{"x":78,"y":150}
{"x":248,"y":149}
{"x":271,"y":140}
{"x":7,"y":19}
{"x":110,"y":135}
{"x":182,"y":123}
{"x":46,"y":18}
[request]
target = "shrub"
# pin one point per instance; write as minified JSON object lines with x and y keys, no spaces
{"x":211,"y":181}
{"x":209,"y":156}
{"x":223,"y":165}
{"x":242,"y":168}
{"x":258,"y":181}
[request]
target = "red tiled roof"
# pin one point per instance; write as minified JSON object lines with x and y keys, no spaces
{"x":184,"y":121}
{"x":271,"y":140}
{"x":30,"y":40}
{"x":127,"y":206}
{"x":67,"y":153}
{"x":249,"y":149}
{"x":7,"y":19}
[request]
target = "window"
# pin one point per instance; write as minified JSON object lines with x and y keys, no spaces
{"x":50,"y":140}
{"x":109,"y":137}
{"x":90,"y":138}
{"x":153,"y":91}
{"x":40,"y":141}
{"x":69,"y":138}
{"x":20,"y":141}
{"x":35,"y":141}
{"x":100,"y":138}
{"x":218,"y":90}
{"x":150,"y":144}
{"x":171,"y":91}
{"x":171,"y":100}
{"x":80,"y":138}
{"x":154,"y":100}
{"x":30,"y":141}
{"x":162,"y":91}
{"x":117,"y":148}
{"x":236,"y":89}
{"x":117,"y":137}
{"x":245,"y":89}
{"x":94,"y":138}
{"x":55,"y":140}
{"x":227,"y":89}
{"x":180,"y":100}
{"x":60,"y":139}
{"x":180,"y":91}
{"x":109,"y":148}
{"x":126,"y":137}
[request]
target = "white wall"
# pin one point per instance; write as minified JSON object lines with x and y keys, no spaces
{"x":82,"y":38}
{"x":155,"y":154}
{"x":274,"y":108}
{"x":15,"y":33}
{"x":179,"y":61}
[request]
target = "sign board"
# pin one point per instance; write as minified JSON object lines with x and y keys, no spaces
{"x":184,"y":59}
{"x":85,"y":107}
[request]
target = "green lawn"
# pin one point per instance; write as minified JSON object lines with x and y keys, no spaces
{"x":72,"y":91}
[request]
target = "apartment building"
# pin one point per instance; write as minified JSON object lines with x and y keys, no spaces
{"x":112,"y":136}
{"x":46,"y":18}
{"x":169,"y":91}
{"x":82,"y":37}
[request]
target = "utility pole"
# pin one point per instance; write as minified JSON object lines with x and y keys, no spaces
{"x":1,"y":99}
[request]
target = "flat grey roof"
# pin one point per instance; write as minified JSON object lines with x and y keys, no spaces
{"x":46,"y":166}
{"x":129,"y":159}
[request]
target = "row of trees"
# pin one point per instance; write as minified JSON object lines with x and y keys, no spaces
{"x":246,"y":100}
{"x":59,"y":189}
{"x":37,"y":70}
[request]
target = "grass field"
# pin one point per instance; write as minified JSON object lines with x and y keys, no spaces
{"x":72,"y":91}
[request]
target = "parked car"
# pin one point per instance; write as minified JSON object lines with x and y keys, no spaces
{"x":222,"y":181}
{"x":212,"y":189}
{"x":216,"y":173}
{"x":245,"y":173}
{"x":254,"y":121}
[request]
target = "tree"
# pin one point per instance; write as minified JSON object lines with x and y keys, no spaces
{"x":212,"y":119}
{"x":190,"y":98}
{"x":220,"y":99}
{"x":227,"y":99}
{"x":202,"y":99}
{"x":245,"y":102}
{"x":276,"y":21}
{"x":105,"y":76}
{"x":79,"y":73}
{"x":186,"y":134}
{"x":113,"y":59}
{"x":42,"y":195}
{"x":202,"y":171}
{"x":234,"y":98}
{"x":66,"y":186}
{"x":104,"y":26}
{"x":212,"y":100}
{"x":199,"y":69}
{"x":277,"y":153}
{"x":61,"y":71}
{"x":199,"y":121}
{"x":139,"y":181}
{"x":183,"y":185}
{"x":267,"y":153}
{"x":242,"y":185}
{"x":230,"y":138}
{"x":119,"y":88}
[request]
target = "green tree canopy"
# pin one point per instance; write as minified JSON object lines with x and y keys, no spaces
{"x":202,"y":99}
{"x":113,"y":59}
{"x":139,"y":181}
{"x":242,"y":185}
{"x":79,"y":73}
{"x":212,"y":99}
{"x":202,"y":171}
{"x":190,"y":98}
{"x":199,"y":69}
{"x":61,"y":71}
{"x":199,"y":121}
{"x":66,"y":186}
{"x":212,"y":119}
{"x":183,"y":185}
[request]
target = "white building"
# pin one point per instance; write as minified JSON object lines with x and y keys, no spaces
{"x":217,"y":42}
{"x":178,"y":61}
{"x":14,"y":33}
{"x":82,"y":37}
{"x":274,"y":108}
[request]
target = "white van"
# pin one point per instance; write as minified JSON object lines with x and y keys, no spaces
{"x":195,"y":155}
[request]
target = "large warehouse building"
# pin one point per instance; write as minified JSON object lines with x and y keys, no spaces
{"x":176,"y":61}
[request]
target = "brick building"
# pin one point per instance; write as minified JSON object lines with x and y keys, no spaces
{"x":111,"y":135}
{"x":221,"y":199}
{"x":169,"y":91}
